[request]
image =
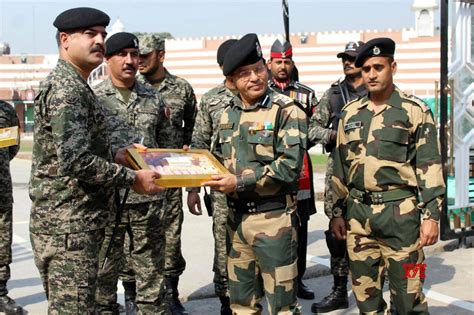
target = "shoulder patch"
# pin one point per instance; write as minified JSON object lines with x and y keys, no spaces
{"x":418,"y":101}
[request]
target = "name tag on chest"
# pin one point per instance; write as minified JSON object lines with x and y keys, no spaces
{"x":352,"y":125}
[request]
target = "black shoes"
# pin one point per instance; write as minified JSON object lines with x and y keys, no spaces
{"x":172,"y":297}
{"x":303,"y":292}
{"x":225,"y":305}
{"x":336,"y":300}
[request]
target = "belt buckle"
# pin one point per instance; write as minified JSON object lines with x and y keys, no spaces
{"x":367,"y":198}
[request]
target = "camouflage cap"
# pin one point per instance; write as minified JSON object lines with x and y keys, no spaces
{"x":149,"y":43}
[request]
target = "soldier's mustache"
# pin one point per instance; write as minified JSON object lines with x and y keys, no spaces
{"x":130,"y":67}
{"x":98,"y":49}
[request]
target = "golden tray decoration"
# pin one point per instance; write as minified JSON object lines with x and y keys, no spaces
{"x":8,"y":137}
{"x":178,"y":168}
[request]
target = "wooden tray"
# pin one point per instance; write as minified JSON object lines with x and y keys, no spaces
{"x":178,"y":168}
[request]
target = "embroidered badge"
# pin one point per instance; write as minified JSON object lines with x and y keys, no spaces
{"x":226,"y":126}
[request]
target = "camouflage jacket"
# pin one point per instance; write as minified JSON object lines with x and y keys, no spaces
{"x":326,"y":115}
{"x":180,"y":110}
{"x":302,"y":94}
{"x":264,"y":144}
{"x":206,"y":129}
{"x":143,"y":116}
{"x":73,"y":179}
{"x":395,"y":148}
{"x":8,"y":118}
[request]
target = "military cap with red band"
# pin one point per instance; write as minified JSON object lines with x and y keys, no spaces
{"x":281,"y":50}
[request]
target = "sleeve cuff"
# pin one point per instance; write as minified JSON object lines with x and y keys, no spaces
{"x":246,"y":182}
{"x":432,"y":210}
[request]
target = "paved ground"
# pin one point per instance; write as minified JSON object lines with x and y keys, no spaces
{"x":449,"y":283}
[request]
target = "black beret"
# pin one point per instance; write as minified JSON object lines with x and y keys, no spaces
{"x":78,"y":18}
{"x":119,"y":41}
{"x":281,"y":50}
{"x":352,"y":49}
{"x":222,"y":50}
{"x":243,"y":52}
{"x":377,"y":47}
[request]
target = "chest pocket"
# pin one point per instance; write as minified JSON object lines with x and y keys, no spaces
{"x":354,"y":142}
{"x":147,"y":116}
{"x":393,"y":144}
{"x":225,"y":137}
{"x":261,"y":146}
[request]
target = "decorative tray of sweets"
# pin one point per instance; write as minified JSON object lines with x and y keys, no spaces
{"x":8,"y":136}
{"x":178,"y":168}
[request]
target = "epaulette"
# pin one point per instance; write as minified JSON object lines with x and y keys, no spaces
{"x":334,"y":84}
{"x":416,"y":100}
{"x":282,"y":100}
{"x":305,"y":87}
{"x":352,"y":102}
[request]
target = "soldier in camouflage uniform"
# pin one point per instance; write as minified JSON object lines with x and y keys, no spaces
{"x":262,"y":140}
{"x":205,"y":136}
{"x":387,"y":174}
{"x":128,"y":103}
{"x":323,"y":129}
{"x":281,"y":66}
{"x":73,"y":178}
{"x":8,"y":118}
{"x":180,"y":111}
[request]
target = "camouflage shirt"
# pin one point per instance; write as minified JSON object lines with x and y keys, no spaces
{"x":142,"y":116}
{"x":206,"y":129}
{"x":327,"y":112}
{"x":73,"y":179}
{"x":395,"y":148}
{"x":180,"y":110}
{"x":8,"y":118}
{"x":264,"y":144}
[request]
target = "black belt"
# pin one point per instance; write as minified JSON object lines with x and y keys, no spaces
{"x":380,"y":197}
{"x":255,"y":206}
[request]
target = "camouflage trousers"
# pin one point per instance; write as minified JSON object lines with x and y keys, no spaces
{"x":263,"y":257}
{"x":68,"y":266}
{"x":173,"y":220}
{"x":337,"y":249}
{"x":385,"y":236}
{"x":146,"y":258}
{"x":6,"y":230}
{"x":219,"y":217}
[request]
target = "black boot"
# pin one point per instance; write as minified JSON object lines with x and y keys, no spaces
{"x":130,"y":293}
{"x":336,"y":300}
{"x":8,"y":305}
{"x":172,"y":297}
{"x":303,"y":292}
{"x":225,"y":305}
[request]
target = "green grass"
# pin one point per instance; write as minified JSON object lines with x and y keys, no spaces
{"x":319,"y":162}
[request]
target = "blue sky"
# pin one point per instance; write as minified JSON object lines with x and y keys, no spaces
{"x":27,"y":25}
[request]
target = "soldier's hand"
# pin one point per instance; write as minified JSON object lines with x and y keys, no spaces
{"x":429,"y":232}
{"x":145,"y":182}
{"x":121,"y":155}
{"x":338,"y":228}
{"x":194,"y":203}
{"x":225,"y":183}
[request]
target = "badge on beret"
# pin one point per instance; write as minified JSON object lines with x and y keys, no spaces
{"x":376,"y":51}
{"x":135,"y":42}
{"x":259,"y":49}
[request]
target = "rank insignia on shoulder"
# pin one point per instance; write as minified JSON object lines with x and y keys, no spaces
{"x":352,"y":125}
{"x":226,"y":126}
